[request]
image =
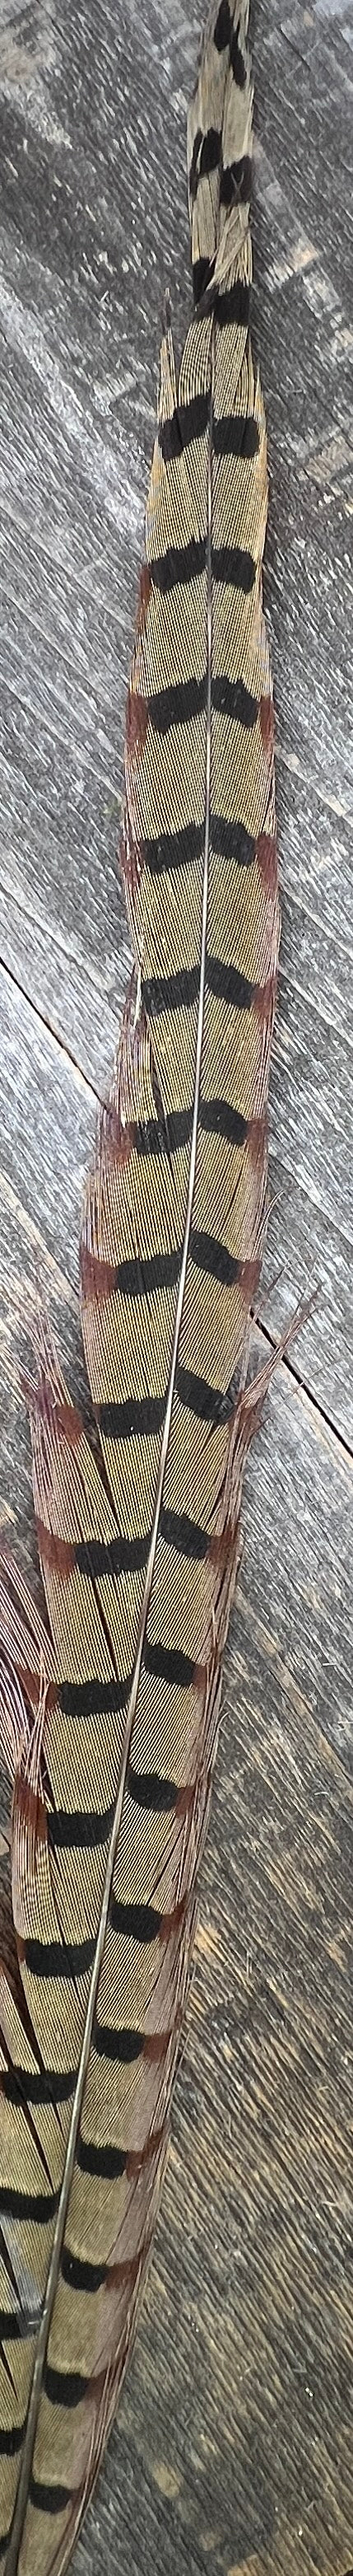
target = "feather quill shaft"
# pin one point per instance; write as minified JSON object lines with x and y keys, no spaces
{"x":110,"y":1715}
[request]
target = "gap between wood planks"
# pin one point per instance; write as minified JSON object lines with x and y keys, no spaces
{"x":287,"y":1360}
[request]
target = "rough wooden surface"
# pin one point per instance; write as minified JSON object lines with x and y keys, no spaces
{"x":234,"y":2443}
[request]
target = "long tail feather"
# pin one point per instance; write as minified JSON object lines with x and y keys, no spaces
{"x":109,"y":1718}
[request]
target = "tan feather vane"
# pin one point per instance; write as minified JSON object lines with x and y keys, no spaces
{"x":109,"y":1714}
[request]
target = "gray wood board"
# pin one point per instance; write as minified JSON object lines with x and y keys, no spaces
{"x":234,"y":2441}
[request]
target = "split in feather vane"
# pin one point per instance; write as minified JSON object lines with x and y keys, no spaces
{"x":110,"y":1716}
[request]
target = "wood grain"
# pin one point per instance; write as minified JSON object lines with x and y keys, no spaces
{"x":234,"y":2443}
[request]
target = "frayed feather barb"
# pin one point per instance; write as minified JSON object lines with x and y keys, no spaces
{"x":15,"y":1735}
{"x":110,"y":1718}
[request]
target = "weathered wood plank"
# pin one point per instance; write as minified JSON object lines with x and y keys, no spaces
{"x":234,"y":2443}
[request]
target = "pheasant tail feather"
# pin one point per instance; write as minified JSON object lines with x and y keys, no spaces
{"x":110,"y":1715}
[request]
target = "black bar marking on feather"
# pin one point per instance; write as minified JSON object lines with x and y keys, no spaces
{"x":232,"y":841}
{"x":185,"y":1535}
{"x":236,"y":434}
{"x":149,"y":1791}
{"x":217,"y":1118}
{"x":228,"y":985}
{"x":233,"y":564}
{"x":157,"y":1270}
{"x":237,"y":60}
{"x":135,"y":1922}
{"x":177,"y":704}
{"x":227,"y":35}
{"x":164,"y":1136}
{"x":223,"y":28}
{"x":79,"y":1829}
{"x":231,"y":698}
{"x":80,"y":2274}
{"x":39,"y":2205}
{"x":59,"y":1958}
{"x":189,"y":420}
{"x":50,"y":2499}
{"x":171,"y":992}
{"x":232,"y":306}
{"x":98,"y":1557}
{"x":236,"y":182}
{"x":213,"y":1257}
{"x":143,"y":1415}
{"x":210,"y":152}
{"x":202,"y":274}
{"x":94,"y":1698}
{"x":173,"y":850}
{"x":64,"y":2387}
{"x":19,"y":2084}
{"x":207,"y":1402}
{"x":11,"y":2439}
{"x":108,"y":2162}
{"x":178,"y":565}
{"x":16,"y":2327}
{"x":121,"y":2046}
{"x":194,"y":165}
{"x":205,"y":158}
{"x":168,"y":1664}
